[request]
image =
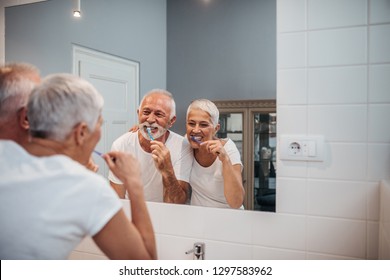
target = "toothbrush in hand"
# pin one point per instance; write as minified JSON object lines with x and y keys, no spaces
{"x":199,"y":142}
{"x":150,"y":133}
{"x":101,"y":155}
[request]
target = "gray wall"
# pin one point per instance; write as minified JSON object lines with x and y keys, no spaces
{"x":223,"y":49}
{"x":220,"y":49}
{"x":43,"y":33}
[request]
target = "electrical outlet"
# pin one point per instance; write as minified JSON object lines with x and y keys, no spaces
{"x":294,"y":149}
{"x":300,"y":147}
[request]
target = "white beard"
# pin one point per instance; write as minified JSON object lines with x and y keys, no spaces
{"x":160,"y":130}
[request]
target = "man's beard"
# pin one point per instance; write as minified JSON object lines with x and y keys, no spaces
{"x":155,"y":134}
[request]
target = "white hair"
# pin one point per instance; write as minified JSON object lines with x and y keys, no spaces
{"x":61,"y":102}
{"x":162,"y":92}
{"x":16,"y":83}
{"x":207,"y":106}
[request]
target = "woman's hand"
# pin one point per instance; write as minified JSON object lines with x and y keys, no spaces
{"x":124,"y":166}
{"x":215,"y":147}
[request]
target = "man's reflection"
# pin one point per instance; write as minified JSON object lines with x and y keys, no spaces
{"x":165,"y":156}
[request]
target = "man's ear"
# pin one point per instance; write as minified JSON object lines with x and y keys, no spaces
{"x":172,"y":121}
{"x":81,"y":132}
{"x":22,"y":118}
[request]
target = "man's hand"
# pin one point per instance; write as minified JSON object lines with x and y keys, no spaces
{"x":161,"y":156}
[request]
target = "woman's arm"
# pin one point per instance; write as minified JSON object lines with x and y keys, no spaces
{"x":121,"y":238}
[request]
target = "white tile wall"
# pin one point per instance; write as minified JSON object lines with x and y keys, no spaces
{"x":344,"y":161}
{"x":292,"y":119}
{"x":348,"y":94}
{"x":378,"y":162}
{"x":346,"y":46}
{"x":333,"y":80}
{"x":339,"y":122}
{"x":378,"y":118}
{"x":379,"y":11}
{"x":379,"y":44}
{"x":292,"y":87}
{"x":336,"y":13}
{"x":337,"y":236}
{"x":291,"y":15}
{"x":343,"y":199}
{"x":291,"y":51}
{"x":263,"y":253}
{"x":291,"y":197}
{"x":379,"y":83}
{"x":329,"y":85}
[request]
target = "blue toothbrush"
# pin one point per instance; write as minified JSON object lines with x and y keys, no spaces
{"x":195,"y":140}
{"x":150,"y":133}
{"x":101,"y":155}
{"x":98,"y":153}
{"x":199,"y":142}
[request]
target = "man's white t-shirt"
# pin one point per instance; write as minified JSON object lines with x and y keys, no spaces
{"x":49,"y":204}
{"x":181,"y":157}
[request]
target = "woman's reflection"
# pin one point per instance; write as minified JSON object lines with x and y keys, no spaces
{"x":215,"y":179}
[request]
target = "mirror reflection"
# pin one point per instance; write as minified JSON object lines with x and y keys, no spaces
{"x":219,"y":50}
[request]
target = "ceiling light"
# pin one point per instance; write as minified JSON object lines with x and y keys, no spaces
{"x":77,"y":9}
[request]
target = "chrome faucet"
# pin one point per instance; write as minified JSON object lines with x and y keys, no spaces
{"x":198,"y":250}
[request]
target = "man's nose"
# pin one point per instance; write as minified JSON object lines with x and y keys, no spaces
{"x":151,"y":118}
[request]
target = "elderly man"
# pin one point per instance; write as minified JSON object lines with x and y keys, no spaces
{"x":165,"y":157}
{"x":48,"y":201}
{"x":16,"y":83}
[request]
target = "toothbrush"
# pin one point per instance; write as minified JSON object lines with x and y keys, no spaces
{"x":195,"y":140}
{"x":98,"y":153}
{"x":199,"y":142}
{"x":150,"y":133}
{"x":101,"y":155}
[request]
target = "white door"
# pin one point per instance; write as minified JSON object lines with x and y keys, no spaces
{"x":117,"y":79}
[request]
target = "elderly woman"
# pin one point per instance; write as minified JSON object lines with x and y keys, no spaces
{"x":48,"y":201}
{"x":216,"y":179}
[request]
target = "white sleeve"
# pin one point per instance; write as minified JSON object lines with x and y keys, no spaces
{"x":234,"y":153}
{"x":183,"y":165}
{"x":104,"y":205}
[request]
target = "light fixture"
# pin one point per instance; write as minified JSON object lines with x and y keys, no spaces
{"x":77,"y":9}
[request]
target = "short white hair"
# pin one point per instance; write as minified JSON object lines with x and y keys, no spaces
{"x":162,"y":92}
{"x":16,"y":83}
{"x":61,"y":102}
{"x":207,"y":106}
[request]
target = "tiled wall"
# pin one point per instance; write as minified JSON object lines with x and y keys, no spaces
{"x":333,"y":80}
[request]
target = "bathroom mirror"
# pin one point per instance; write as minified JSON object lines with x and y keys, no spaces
{"x":220,"y":50}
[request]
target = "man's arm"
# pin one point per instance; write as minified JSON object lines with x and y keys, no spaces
{"x":174,"y":191}
{"x":121,"y":238}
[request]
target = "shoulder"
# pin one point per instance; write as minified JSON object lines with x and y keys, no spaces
{"x":174,"y":135}
{"x":124,"y":140}
{"x":175,"y":139}
{"x":8,"y":145}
